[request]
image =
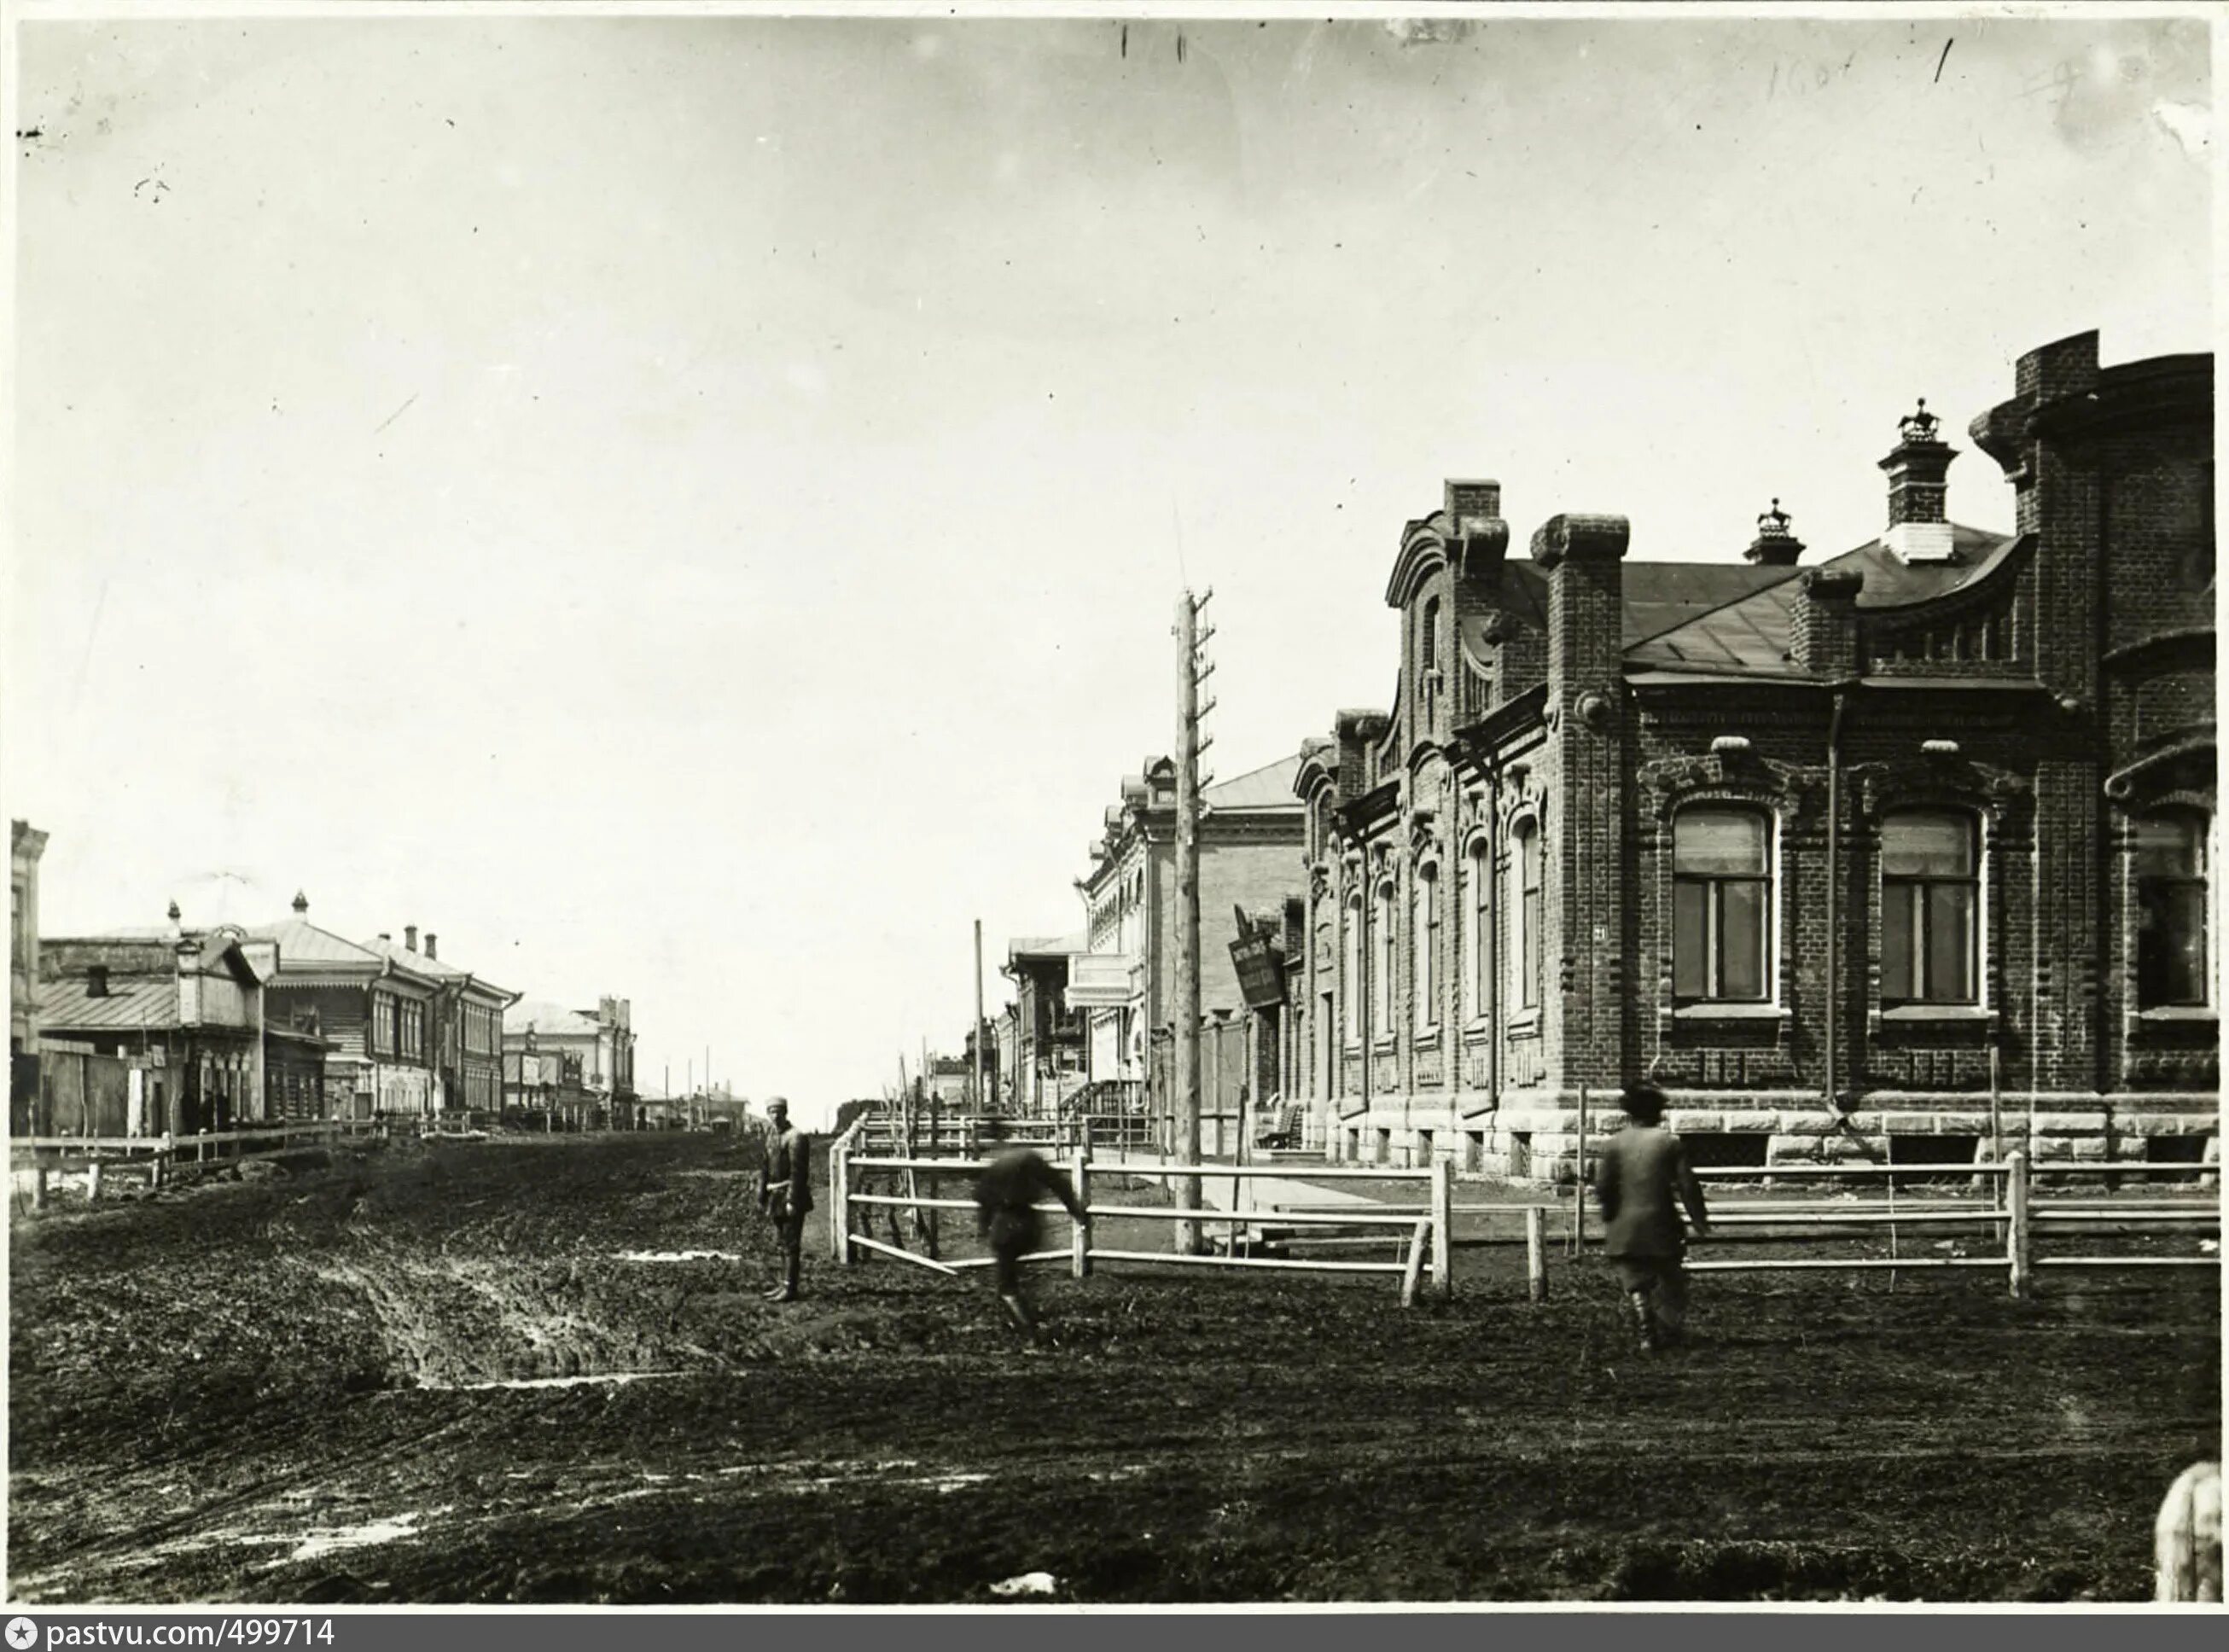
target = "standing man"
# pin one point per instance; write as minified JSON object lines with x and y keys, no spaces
{"x":1637,"y":1173}
{"x":785,"y":1193}
{"x":1006,"y":1193}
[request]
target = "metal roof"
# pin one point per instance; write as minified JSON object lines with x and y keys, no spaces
{"x":303,"y":943}
{"x":549,"y":1021}
{"x":1270,"y":786}
{"x":67,"y":1005}
{"x":422,"y":964}
{"x":1756,"y":631}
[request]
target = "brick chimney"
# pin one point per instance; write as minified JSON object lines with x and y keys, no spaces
{"x":432,"y":941}
{"x":1583,"y":557}
{"x":301,"y":904}
{"x":1918,"y":469}
{"x":1775,"y":546}
{"x":96,"y":980}
{"x":410,"y":937}
{"x":1356,"y":732}
{"x":1826,"y":641}
{"x":1471,"y":505}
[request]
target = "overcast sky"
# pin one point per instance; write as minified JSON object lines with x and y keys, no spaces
{"x":691,"y":509}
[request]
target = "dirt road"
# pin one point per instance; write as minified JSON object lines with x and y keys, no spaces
{"x":295,"y":1391}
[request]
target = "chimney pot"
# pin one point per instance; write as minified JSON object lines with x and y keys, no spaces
{"x":1918,"y":471}
{"x":410,"y":937}
{"x":430,"y":940}
{"x":301,"y":904}
{"x":1775,"y":546}
{"x":96,"y":980}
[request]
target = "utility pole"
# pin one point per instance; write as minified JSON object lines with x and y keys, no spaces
{"x":1190,"y":745}
{"x":982,"y":1100}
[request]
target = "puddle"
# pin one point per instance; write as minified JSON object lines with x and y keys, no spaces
{"x":679,"y":1256}
{"x":322,"y":1540}
{"x":598,"y":1379}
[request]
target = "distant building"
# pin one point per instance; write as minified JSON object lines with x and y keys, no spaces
{"x":25,"y":845}
{"x":1908,"y":853}
{"x":1124,"y":981}
{"x":465,"y":1030}
{"x":598,"y":1090}
{"x":1047,"y":1066}
{"x":375,"y":1010}
{"x":183,"y":1015}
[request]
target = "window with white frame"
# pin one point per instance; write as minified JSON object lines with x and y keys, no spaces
{"x":2172,"y":952}
{"x":1529,"y":949}
{"x":1424,"y":931}
{"x":1721,"y":905}
{"x":1930,"y":908}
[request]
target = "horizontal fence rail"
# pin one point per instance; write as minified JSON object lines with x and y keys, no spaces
{"x":2011,"y":1217}
{"x":1424,"y":1228}
{"x":159,"y":1155}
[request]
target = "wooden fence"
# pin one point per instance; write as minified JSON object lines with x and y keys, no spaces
{"x":2011,"y":1217}
{"x":1426,"y":1233}
{"x":158,"y":1157}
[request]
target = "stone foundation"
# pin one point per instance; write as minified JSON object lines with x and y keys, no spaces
{"x":1536,"y":1138}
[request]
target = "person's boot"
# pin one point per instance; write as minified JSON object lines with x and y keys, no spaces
{"x":786,"y":1291}
{"x":1644,"y":1320}
{"x":1017,"y":1311}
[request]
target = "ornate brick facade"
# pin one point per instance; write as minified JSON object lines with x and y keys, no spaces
{"x":1912,"y":844}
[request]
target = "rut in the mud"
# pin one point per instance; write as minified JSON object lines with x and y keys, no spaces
{"x":544,"y":1373}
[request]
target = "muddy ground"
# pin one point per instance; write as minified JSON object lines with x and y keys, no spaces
{"x":283,"y":1392}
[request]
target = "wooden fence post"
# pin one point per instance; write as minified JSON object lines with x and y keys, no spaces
{"x":92,"y":1182}
{"x":2020,"y":1246}
{"x":1443,"y":1284}
{"x":839,"y":1200}
{"x":1079,"y":1264}
{"x":38,"y":1181}
{"x":1535,"y":1260}
{"x":1417,"y":1242}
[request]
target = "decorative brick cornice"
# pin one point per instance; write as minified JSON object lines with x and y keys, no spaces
{"x":1943,"y":779}
{"x":1581,"y":538}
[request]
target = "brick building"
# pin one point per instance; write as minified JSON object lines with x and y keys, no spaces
{"x":1125,"y":982}
{"x":1904,"y":854}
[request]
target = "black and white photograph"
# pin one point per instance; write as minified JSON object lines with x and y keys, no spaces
{"x":1095,"y":807}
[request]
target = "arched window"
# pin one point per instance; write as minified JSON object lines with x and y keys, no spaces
{"x":1930,"y":908}
{"x":1428,"y":658}
{"x":1721,"y":905}
{"x":1530,"y":945}
{"x":1350,"y":986}
{"x":2172,"y":962}
{"x":1424,"y":932}
{"x":1382,"y":962}
{"x":1477,"y":915}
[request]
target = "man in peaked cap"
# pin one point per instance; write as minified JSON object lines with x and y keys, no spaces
{"x":785,"y":1193}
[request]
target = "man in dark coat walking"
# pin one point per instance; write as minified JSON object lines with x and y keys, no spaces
{"x":785,"y":1193}
{"x":1637,"y":1172}
{"x":1006,"y":1192}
